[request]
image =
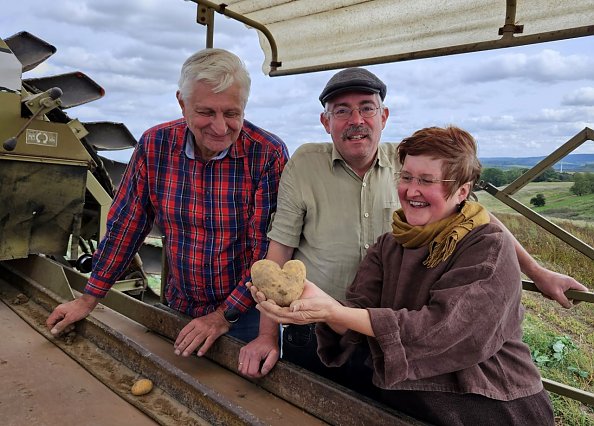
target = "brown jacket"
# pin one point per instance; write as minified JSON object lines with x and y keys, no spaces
{"x":452,"y":328}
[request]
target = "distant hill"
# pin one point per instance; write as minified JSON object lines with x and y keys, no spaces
{"x":571,"y":163}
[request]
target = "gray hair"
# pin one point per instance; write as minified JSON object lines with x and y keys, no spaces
{"x":216,"y":67}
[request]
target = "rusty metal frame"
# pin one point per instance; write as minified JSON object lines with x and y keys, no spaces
{"x":103,"y":199}
{"x":504,"y":42}
{"x":205,"y":17}
{"x":510,"y":28}
{"x":554,"y":157}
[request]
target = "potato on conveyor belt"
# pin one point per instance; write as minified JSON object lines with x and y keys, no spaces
{"x":142,"y":387}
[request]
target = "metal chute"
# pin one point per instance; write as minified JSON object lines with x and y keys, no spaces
{"x":107,"y":136}
{"x":78,"y":88}
{"x":29,"y":50}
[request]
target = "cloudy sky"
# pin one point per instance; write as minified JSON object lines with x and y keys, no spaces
{"x":517,"y":102}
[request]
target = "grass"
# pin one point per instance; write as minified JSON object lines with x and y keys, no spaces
{"x":560,"y":202}
{"x":154,"y":282}
{"x":561,"y":341}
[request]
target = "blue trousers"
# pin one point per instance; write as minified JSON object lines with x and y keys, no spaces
{"x":246,"y":328}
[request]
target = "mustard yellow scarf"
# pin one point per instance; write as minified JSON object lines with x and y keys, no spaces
{"x":441,"y":236}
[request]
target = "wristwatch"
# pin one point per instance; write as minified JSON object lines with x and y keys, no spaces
{"x":231,"y":315}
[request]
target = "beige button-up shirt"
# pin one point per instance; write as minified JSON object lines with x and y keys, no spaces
{"x":330,"y":215}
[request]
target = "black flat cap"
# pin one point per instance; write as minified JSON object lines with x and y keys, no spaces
{"x":353,"y":80}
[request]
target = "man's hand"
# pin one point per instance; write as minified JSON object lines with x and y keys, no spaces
{"x":553,"y":285}
{"x":68,"y":313}
{"x":257,"y":358}
{"x":201,"y":332}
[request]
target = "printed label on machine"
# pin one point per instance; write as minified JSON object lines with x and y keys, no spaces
{"x":41,"y":137}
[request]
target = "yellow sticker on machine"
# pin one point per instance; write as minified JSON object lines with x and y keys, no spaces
{"x":41,"y":137}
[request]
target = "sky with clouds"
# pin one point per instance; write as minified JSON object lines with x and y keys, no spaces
{"x":517,"y":102}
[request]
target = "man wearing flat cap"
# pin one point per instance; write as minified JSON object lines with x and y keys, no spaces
{"x":334,"y":200}
{"x":333,"y":203}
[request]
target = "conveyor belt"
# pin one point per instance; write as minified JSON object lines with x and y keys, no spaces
{"x":41,"y":384}
{"x":222,"y":397}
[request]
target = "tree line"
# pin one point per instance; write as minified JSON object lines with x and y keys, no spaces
{"x":583,"y":182}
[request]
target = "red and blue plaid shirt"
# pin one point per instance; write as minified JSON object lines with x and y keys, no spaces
{"x":214,"y":216}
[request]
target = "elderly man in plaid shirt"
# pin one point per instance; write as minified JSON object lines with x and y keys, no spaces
{"x":208,"y":180}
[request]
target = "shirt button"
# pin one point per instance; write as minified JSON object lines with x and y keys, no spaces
{"x":364,"y":184}
{"x":366,"y":215}
{"x":366,"y":246}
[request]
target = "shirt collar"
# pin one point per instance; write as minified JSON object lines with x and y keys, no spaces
{"x":190,"y":146}
{"x":382,"y":157}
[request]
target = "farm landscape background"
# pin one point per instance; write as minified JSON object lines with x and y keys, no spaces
{"x":561,"y":341}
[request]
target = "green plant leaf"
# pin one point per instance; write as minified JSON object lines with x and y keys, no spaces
{"x":558,"y":346}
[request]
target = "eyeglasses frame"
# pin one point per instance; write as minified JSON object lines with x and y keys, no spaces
{"x":422,"y":181}
{"x":375,"y":111}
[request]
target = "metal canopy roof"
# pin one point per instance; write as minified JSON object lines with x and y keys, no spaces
{"x":315,"y":35}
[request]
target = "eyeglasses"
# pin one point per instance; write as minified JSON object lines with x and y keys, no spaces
{"x":422,"y":181}
{"x":344,"y":113}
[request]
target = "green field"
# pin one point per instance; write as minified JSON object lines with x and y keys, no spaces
{"x":562,"y":341}
{"x":560,"y":202}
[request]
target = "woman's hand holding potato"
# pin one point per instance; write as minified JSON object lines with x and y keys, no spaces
{"x":314,"y":305}
{"x":286,"y":296}
{"x":302,"y":311}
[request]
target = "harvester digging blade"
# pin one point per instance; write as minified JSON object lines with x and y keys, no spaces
{"x":29,"y":50}
{"x":77,"y":87}
{"x":115,"y":169}
{"x":107,"y":136}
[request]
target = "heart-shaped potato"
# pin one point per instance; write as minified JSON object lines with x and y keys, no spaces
{"x":281,"y":285}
